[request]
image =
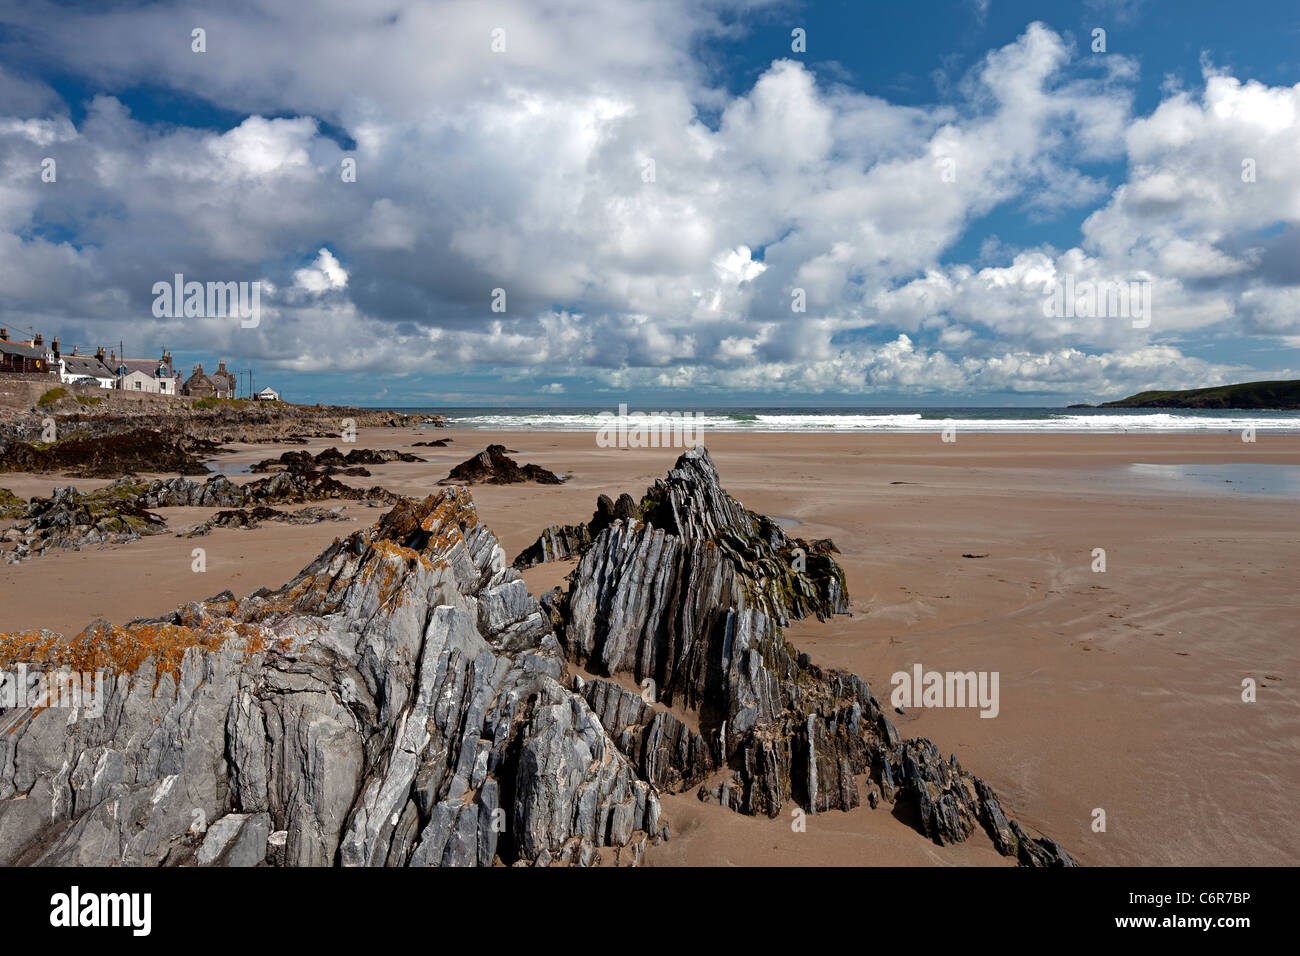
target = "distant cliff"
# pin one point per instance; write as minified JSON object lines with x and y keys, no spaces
{"x":1278,"y":395}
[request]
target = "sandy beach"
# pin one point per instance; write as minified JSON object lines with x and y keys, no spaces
{"x":1119,"y":690}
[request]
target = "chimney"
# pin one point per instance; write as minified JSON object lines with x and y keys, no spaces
{"x":100,"y":354}
{"x":198,"y":368}
{"x":221,"y":367}
{"x":39,"y":340}
{"x":74,"y":349}
{"x":112,"y":356}
{"x":4,"y":335}
{"x":55,"y":345}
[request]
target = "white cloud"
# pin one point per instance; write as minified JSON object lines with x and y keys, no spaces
{"x":525,"y":171}
{"x":323,"y":275}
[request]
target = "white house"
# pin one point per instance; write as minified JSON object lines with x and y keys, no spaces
{"x":146,"y":375}
{"x":268,"y":394}
{"x":74,"y":368}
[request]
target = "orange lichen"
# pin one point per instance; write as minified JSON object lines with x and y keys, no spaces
{"x":443,"y":518}
{"x":125,"y":650}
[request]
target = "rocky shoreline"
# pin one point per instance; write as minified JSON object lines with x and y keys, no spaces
{"x":405,"y":701}
{"x":92,"y":442}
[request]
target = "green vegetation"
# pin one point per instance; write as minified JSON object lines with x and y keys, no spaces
{"x":52,"y":396}
{"x":87,"y":400}
{"x":11,"y":506}
{"x":1272,"y":395}
{"x":212,"y":402}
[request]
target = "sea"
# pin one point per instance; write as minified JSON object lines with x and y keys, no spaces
{"x":866,"y":419}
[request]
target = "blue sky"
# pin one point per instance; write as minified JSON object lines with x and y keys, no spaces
{"x":652,"y":186}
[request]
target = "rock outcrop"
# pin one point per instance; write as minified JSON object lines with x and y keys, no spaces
{"x":120,"y":512}
{"x":401,"y":702}
{"x":283,"y":488}
{"x":141,"y":449}
{"x":332,"y":461}
{"x":493,"y":466}
{"x":569,"y":540}
{"x":70,"y":519}
{"x":405,"y":701}
{"x":689,"y":599}
{"x":11,"y":506}
{"x":250,"y":518}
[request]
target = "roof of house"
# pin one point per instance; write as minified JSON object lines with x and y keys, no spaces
{"x":199,"y":379}
{"x":268,"y":389}
{"x":21,"y":348}
{"x":85,"y":365}
{"x":147,"y":366}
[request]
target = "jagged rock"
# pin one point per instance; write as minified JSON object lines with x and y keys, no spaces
{"x":11,"y":506}
{"x":664,"y":750}
{"x":70,"y":519}
{"x":570,"y":540}
{"x":493,"y":467}
{"x":370,"y":712}
{"x":248,"y":518}
{"x":995,"y":821}
{"x":693,"y":598}
{"x":1042,"y":852}
{"x":141,"y":449}
{"x":436,"y":443}
{"x":940,"y":790}
{"x":332,"y":461}
{"x":217,"y":492}
{"x":690,"y":591}
{"x":237,"y":839}
{"x":556,"y":542}
{"x":403,"y":702}
{"x":282,"y":488}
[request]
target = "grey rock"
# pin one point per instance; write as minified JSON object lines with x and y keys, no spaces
{"x":373,"y":711}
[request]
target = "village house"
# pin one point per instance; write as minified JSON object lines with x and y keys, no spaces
{"x":225,"y":381}
{"x":199,"y":385}
{"x":77,"y":369}
{"x":220,"y":384}
{"x":146,"y":375}
{"x":19,"y":357}
{"x":268,"y":394}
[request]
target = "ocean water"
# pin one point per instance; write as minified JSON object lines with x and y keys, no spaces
{"x":1248,"y":479}
{"x":881,"y":419}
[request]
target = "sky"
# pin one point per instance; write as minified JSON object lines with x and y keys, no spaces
{"x":671,"y":204}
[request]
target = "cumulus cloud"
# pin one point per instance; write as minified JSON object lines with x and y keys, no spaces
{"x":637,"y":245}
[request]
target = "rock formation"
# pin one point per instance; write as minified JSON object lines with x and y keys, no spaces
{"x":120,"y":512}
{"x":401,"y":702}
{"x":493,"y":467}
{"x":11,"y":506}
{"x":141,"y":449}
{"x":332,"y":461}
{"x":70,"y":519}
{"x":690,"y":599}
{"x":282,"y":488}
{"x":404,"y":701}
{"x":250,"y":518}
{"x":569,"y":540}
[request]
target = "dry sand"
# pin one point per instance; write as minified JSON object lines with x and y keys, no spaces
{"x":1119,"y":690}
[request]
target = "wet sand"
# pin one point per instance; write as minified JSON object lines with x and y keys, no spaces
{"x":1119,"y":690}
